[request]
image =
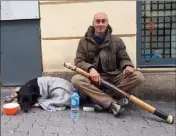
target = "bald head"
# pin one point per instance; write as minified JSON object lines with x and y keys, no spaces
{"x":100,"y":23}
{"x":100,"y":15}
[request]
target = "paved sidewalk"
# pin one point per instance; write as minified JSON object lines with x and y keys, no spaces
{"x":134,"y":122}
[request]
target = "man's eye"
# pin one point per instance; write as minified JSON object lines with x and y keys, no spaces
{"x":98,"y":21}
{"x":103,"y":21}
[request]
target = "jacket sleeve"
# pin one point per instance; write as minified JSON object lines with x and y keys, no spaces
{"x":80,"y":60}
{"x":123,"y":56}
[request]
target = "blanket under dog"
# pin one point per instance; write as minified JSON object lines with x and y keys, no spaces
{"x":55,"y":92}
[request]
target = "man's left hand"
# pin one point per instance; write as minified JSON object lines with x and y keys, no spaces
{"x":128,"y":70}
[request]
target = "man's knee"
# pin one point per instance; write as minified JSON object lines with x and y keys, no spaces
{"x":76,"y":79}
{"x":139,"y":77}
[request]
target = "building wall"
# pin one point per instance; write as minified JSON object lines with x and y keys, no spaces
{"x":64,"y":23}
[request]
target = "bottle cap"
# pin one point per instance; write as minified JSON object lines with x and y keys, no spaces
{"x":75,"y":91}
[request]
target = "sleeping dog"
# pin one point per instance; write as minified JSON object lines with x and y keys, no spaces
{"x":49,"y":93}
{"x":27,"y":96}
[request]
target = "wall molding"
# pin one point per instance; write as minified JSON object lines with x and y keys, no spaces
{"x":79,"y":37}
{"x":70,"y":2}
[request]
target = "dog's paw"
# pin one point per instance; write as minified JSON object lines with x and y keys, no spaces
{"x":8,"y":99}
{"x":36,"y":105}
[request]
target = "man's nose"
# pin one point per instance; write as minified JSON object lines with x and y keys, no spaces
{"x":101,"y":23}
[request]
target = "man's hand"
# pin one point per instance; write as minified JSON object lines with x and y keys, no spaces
{"x":95,"y":76}
{"x":128,"y":70}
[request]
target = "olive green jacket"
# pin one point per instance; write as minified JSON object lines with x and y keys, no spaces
{"x":110,"y":56}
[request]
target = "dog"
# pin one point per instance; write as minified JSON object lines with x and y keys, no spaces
{"x":46,"y":89}
{"x":27,"y":95}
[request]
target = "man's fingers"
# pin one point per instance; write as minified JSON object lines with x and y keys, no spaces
{"x":128,"y":70}
{"x":131,"y":70}
{"x":124,"y":71}
{"x":96,"y":79}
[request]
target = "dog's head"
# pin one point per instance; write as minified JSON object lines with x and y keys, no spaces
{"x":27,"y":97}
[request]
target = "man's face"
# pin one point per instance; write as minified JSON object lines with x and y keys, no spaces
{"x":100,"y":23}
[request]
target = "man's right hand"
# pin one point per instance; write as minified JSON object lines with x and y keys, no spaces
{"x":95,"y":76}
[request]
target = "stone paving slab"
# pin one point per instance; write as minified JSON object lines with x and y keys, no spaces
{"x":133,"y":122}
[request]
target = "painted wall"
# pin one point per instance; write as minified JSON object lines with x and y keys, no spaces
{"x":63,"y":23}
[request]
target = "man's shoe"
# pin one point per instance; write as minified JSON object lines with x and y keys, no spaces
{"x":116,"y":109}
{"x":97,"y":108}
{"x":123,"y":101}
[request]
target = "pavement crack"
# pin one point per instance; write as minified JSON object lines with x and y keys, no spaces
{"x":131,"y":115}
{"x":144,"y":119}
{"x":86,"y":127}
{"x":86,"y":130}
{"x":33,"y":124}
{"x":16,"y":128}
{"x":43,"y":133}
{"x":110,"y":123}
{"x":142,"y":132}
{"x":49,"y":117}
{"x":163,"y":127}
{"x":22,"y":120}
{"x":126,"y":128}
{"x":8,"y":121}
{"x":86,"y":114}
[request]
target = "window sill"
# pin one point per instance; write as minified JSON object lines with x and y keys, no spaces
{"x":146,"y":70}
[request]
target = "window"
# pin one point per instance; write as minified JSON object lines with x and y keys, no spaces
{"x":156,"y":33}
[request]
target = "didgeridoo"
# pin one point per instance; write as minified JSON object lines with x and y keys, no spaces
{"x":132,"y":98}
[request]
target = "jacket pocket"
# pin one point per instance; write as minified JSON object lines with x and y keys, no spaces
{"x":108,"y":60}
{"x":91,"y":57}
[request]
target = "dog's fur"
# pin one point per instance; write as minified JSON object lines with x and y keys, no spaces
{"x":26,"y":96}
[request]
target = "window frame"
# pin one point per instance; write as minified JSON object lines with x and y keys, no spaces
{"x":148,"y":62}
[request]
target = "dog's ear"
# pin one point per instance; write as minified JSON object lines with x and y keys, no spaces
{"x":18,"y":98}
{"x":35,"y":97}
{"x":34,"y":94}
